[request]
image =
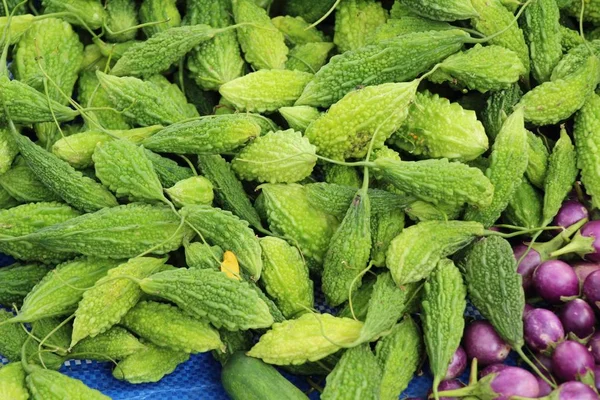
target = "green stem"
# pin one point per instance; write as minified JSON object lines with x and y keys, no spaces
{"x":317,"y":22}
{"x":534,"y":367}
{"x":580,"y":244}
{"x":135,"y":27}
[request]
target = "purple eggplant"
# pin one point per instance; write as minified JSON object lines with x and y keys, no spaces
{"x":555,"y":279}
{"x":458,"y":364}
{"x":527,"y":309}
{"x":591,"y":288}
{"x":592,"y":229}
{"x":571,"y":360}
{"x":578,"y":318}
{"x":570,"y":213}
{"x":544,"y":363}
{"x":571,"y":391}
{"x":545,"y":388}
{"x":490,"y":369}
{"x":542,"y":329}
{"x":529,"y":263}
{"x":594,"y":344}
{"x":583,"y":269}
{"x":481,"y":341}
{"x":447,"y":385}
{"x":597,"y":376}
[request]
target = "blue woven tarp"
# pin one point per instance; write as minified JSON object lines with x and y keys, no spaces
{"x":200,"y":377}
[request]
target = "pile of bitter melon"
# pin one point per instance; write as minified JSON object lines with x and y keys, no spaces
{"x":179,"y":177}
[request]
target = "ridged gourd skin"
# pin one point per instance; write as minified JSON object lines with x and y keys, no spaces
{"x":149,"y":365}
{"x":57,"y":293}
{"x":201,"y":255}
{"x":348,"y":252}
{"x":246,"y":377}
{"x":346,"y":130}
{"x":537,"y":166}
{"x":273,"y":308}
{"x":167,"y":326}
{"x":481,"y":68}
{"x":297,"y":31}
{"x":120,"y":232}
{"x":570,"y":38}
{"x":91,"y":94}
{"x":28,"y":218}
{"x":414,"y":253}
{"x":18,"y":280}
{"x":219,"y":60}
{"x":493,"y":17}
{"x":380,"y":63}
{"x":356,"y":376}
{"x":224,"y":229}
{"x":508,"y":163}
{"x":574,"y":59}
{"x":125,"y":169}
{"x":194,"y":190}
{"x":12,"y":339}
{"x":452,"y":10}
{"x":265,"y":90}
{"x":212,"y":296}
{"x":525,"y":207}
{"x":263,"y":46}
{"x":404,"y":25}
{"x":309,"y":57}
{"x":556,"y":100}
{"x":299,"y":117}
{"x":122,"y":14}
{"x":21,"y":184}
{"x":143,"y":101}
{"x":444,"y":303}
{"x":291,"y":215}
{"x":342,"y":175}
{"x":543,"y":34}
{"x":214,"y":135}
{"x":91,"y":12}
{"x":59,"y":339}
{"x":8,"y":150}
{"x":355,"y":20}
{"x":591,"y":12}
{"x":498,"y":106}
{"x":399,"y":356}
{"x":6,"y":201}
{"x":562,"y":172}
{"x":385,"y":226}
{"x":12,"y":382}
{"x":587,"y":141}
{"x":168,"y":171}
{"x":277,"y":157}
{"x":285,"y":277}
{"x":229,"y":192}
{"x":360,"y":302}
{"x":297,"y":341}
{"x":52,"y":385}
{"x":495,"y":288}
{"x":103,"y":305}
{"x":309,"y":10}
{"x":19,"y":24}
{"x":116,"y":343}
{"x":437,"y":128}
{"x":163,"y":11}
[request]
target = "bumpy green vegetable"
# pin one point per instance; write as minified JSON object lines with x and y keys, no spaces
{"x":211,"y":295}
{"x":498,"y":106}
{"x":212,"y":135}
{"x":360,"y":301}
{"x":167,"y":326}
{"x":309,"y":57}
{"x":111,"y":298}
{"x":91,"y":94}
{"x":569,"y":38}
{"x":562,"y":172}
{"x":591,"y":12}
{"x":18,"y":280}
{"x":168,"y":171}
{"x":149,"y":365}
{"x":452,"y":10}
{"x":443,"y":323}
{"x":52,"y":385}
{"x":309,"y":10}
{"x":8,"y":150}
{"x":587,"y":140}
{"x":574,"y":59}
{"x":76,"y":189}
{"x":558,"y":99}
{"x":347,"y":128}
{"x":282,"y":156}
{"x":310,"y":337}
{"x":537,"y":165}
{"x":525,"y":207}
{"x":229,"y":192}
{"x":299,"y":117}
{"x":273,"y":309}
{"x":404,"y":25}
{"x":19,"y":24}
{"x":399,"y":355}
{"x":265,"y":90}
{"x":297,"y":31}
{"x":414,"y":253}
{"x":58,"y":342}
{"x":342,"y":175}
{"x":21,"y":184}
{"x":356,"y":376}
{"x":398,"y":60}
{"x":218,"y":60}
{"x":116,"y":343}
{"x":439,"y":129}
{"x":263,"y":45}
{"x":481,"y":68}
{"x":194,"y":190}
{"x":291,"y":215}
{"x":385,"y":225}
{"x":543,"y":34}
{"x":119,"y":232}
{"x":29,"y":218}
{"x":12,"y":382}
{"x":507,"y":167}
{"x":163,"y":11}
{"x":122,"y":14}
{"x":12,"y":338}
{"x":355,"y":20}
{"x":494,"y":17}
{"x":61,"y":289}
{"x":348,"y":251}
{"x":90,"y":12}
{"x":229,"y":232}
{"x":200,"y":255}
{"x":285,"y":277}
{"x":145,"y":101}
{"x":6,"y":201}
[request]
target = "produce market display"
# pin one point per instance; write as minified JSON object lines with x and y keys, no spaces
{"x":330,"y":198}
